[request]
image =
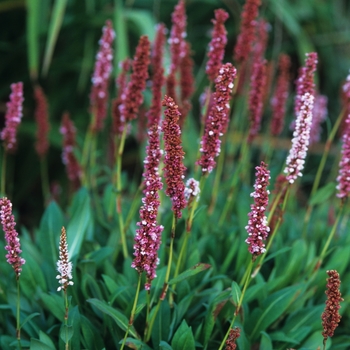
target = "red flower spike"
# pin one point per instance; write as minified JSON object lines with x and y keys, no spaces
{"x":13,"y":117}
{"x":217,"y":44}
{"x":133,"y":98}
{"x":217,"y":119}
{"x":42,"y":121}
{"x":231,"y":340}
{"x":247,"y":32}
{"x":331,"y":316}
{"x":174,"y":169}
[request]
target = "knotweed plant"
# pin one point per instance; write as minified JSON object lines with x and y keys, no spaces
{"x":174,"y":239}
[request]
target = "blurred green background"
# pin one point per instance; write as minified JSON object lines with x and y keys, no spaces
{"x":54,"y":43}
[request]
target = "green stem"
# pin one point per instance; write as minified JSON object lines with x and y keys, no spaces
{"x":132,"y":316}
{"x":18,"y":328}
{"x":45,"y":179}
{"x":66,"y":307}
{"x":151,"y":323}
{"x":317,"y":180}
{"x":3,"y":173}
{"x":119,"y":194}
{"x":248,"y":274}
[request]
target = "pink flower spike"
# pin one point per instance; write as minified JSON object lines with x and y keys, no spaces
{"x":132,"y":98}
{"x":13,"y":117}
{"x":42,"y":122}
{"x":247,"y":32}
{"x":100,"y":78}
{"x":218,"y":118}
{"x":343,"y":178}
{"x":257,"y":227}
{"x":13,"y":246}
{"x":148,"y":236}
{"x":217,"y":44}
{"x":174,"y":169}
{"x":73,"y":168}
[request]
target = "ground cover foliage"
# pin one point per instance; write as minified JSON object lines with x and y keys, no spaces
{"x":208,"y":279}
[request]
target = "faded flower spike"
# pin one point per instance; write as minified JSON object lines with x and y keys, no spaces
{"x":192,"y":190}
{"x":100,"y":78}
{"x":13,"y":117}
{"x":174,"y":169}
{"x":13,"y":246}
{"x":64,"y":267}
{"x":257,"y":227}
{"x":231,"y":340}
{"x":330,"y":316}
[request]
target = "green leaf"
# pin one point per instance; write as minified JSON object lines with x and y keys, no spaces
{"x":46,"y":339}
{"x":116,"y":315}
{"x":273,"y":307}
{"x":81,"y":218}
{"x":183,"y":338}
{"x":161,"y":325}
{"x":323,"y":194}
{"x":54,"y":303}
{"x":91,"y":335}
{"x":54,"y":28}
{"x":49,"y":234}
{"x":121,"y":42}
{"x":36,"y":344}
{"x":29,"y":317}
{"x":316,"y":340}
{"x":165,"y":346}
{"x":190,"y":272}
{"x":66,"y":333}
{"x":74,"y":319}
{"x":142,"y":20}
{"x":265,"y":343}
{"x":235,"y":292}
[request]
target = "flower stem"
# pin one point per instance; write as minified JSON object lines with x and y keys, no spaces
{"x":18,"y":328}
{"x":248,"y":277}
{"x":132,"y":316}
{"x":3,"y":173}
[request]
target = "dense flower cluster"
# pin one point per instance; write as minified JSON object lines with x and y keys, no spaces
{"x":343,"y":178}
{"x":247,"y":32}
{"x":217,"y":44}
{"x":42,"y":121}
{"x":69,"y":159}
{"x":100,"y":78}
{"x":148,"y":236}
{"x":217,"y":119}
{"x":192,"y":190}
{"x":280,"y":95}
{"x":231,"y":340}
{"x":13,"y":117}
{"x":64,"y":266}
{"x":305,"y":82}
{"x":319,"y":115}
{"x":257,"y":227}
{"x":121,"y":82}
{"x":256,"y":97}
{"x":132,"y":97}
{"x":13,"y":246}
{"x":300,"y":142}
{"x":261,"y":38}
{"x":174,"y":169}
{"x":330,"y":316}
